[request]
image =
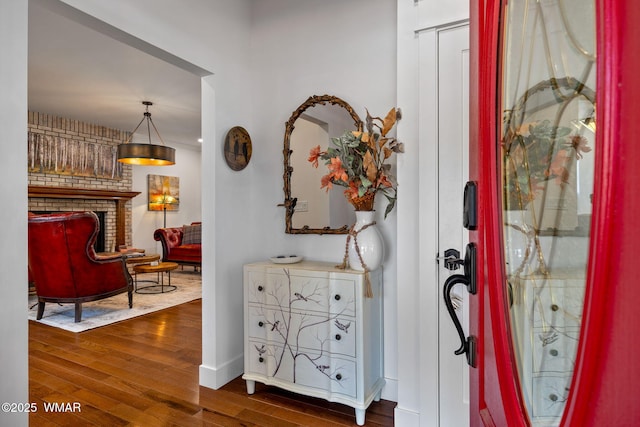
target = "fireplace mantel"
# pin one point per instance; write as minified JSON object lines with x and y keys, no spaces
{"x":119,"y":197}
{"x":79,"y":193}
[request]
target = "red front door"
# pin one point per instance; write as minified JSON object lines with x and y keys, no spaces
{"x":558,"y":299}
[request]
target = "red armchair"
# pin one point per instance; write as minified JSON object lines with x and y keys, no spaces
{"x":64,"y":267}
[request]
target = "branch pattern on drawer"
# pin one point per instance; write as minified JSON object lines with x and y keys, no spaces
{"x":299,"y":318}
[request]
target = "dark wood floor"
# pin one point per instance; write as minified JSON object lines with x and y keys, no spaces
{"x":144,"y":372}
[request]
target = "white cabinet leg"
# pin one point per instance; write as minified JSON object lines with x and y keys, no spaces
{"x":360,"y":416}
{"x":251,"y":386}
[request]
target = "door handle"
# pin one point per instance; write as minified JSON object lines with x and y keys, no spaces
{"x":451,"y":259}
{"x":467,"y":345}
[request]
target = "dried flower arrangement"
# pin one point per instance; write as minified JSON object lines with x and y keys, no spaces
{"x":358,"y":161}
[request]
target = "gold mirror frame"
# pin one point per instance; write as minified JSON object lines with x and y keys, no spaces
{"x":289,"y":202}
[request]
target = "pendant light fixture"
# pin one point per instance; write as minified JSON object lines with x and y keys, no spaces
{"x":146,"y":154}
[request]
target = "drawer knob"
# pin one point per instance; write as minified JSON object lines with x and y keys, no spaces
{"x":553,"y":397}
{"x":261,"y":359}
{"x":553,"y":352}
{"x":338,"y":377}
{"x":338,"y":337}
{"x":554,"y":307}
{"x":261,"y":324}
{"x":260,"y":288}
{"x":337,"y":297}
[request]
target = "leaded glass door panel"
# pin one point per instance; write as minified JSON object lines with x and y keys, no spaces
{"x":546,"y":152}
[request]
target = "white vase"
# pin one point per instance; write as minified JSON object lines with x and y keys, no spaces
{"x":518,"y":242}
{"x":369,"y":242}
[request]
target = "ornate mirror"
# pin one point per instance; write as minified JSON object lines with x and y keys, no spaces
{"x":308,"y":208}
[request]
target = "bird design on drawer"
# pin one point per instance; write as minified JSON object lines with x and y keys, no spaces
{"x":300,"y":296}
{"x":342,"y":326}
{"x":548,"y":337}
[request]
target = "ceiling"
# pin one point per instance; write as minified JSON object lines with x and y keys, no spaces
{"x":82,"y":74}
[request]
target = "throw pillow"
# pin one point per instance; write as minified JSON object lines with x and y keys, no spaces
{"x":191,"y":234}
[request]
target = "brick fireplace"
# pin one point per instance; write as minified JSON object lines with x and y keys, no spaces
{"x":115,"y":205}
{"x":54,"y":188}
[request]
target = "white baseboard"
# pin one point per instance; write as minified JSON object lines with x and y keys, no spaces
{"x":216,"y":377}
{"x":390,"y":390}
{"x":405,"y":418}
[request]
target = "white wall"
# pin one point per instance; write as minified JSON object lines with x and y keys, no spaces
{"x":13,"y":215}
{"x":304,"y":48}
{"x":145,"y":222}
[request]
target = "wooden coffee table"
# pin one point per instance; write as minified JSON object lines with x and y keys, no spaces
{"x":144,"y":259}
{"x":159,"y":286}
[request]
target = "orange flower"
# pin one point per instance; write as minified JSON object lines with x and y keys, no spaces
{"x":314,"y":155}
{"x":383,"y":181}
{"x":580,"y":144}
{"x":337,"y":171}
{"x":325,"y":182}
{"x":352,"y":191}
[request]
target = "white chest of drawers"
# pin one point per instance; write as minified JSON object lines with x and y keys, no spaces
{"x":309,"y":329}
{"x":546,"y":319}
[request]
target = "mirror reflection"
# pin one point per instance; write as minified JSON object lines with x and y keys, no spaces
{"x":310,"y":209}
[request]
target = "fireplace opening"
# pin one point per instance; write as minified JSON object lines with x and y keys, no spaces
{"x":101,"y":238}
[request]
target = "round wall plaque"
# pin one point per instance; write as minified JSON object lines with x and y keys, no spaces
{"x":237,"y":148}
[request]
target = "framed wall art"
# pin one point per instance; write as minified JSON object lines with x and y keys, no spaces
{"x":237,"y":148}
{"x":63,"y":156}
{"x":164,"y":193}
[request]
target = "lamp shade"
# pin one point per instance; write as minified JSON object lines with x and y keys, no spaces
{"x":146,"y":154}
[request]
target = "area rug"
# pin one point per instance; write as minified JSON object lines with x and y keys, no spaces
{"x":115,"y":309}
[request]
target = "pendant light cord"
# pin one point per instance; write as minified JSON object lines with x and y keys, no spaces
{"x":147,"y":116}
